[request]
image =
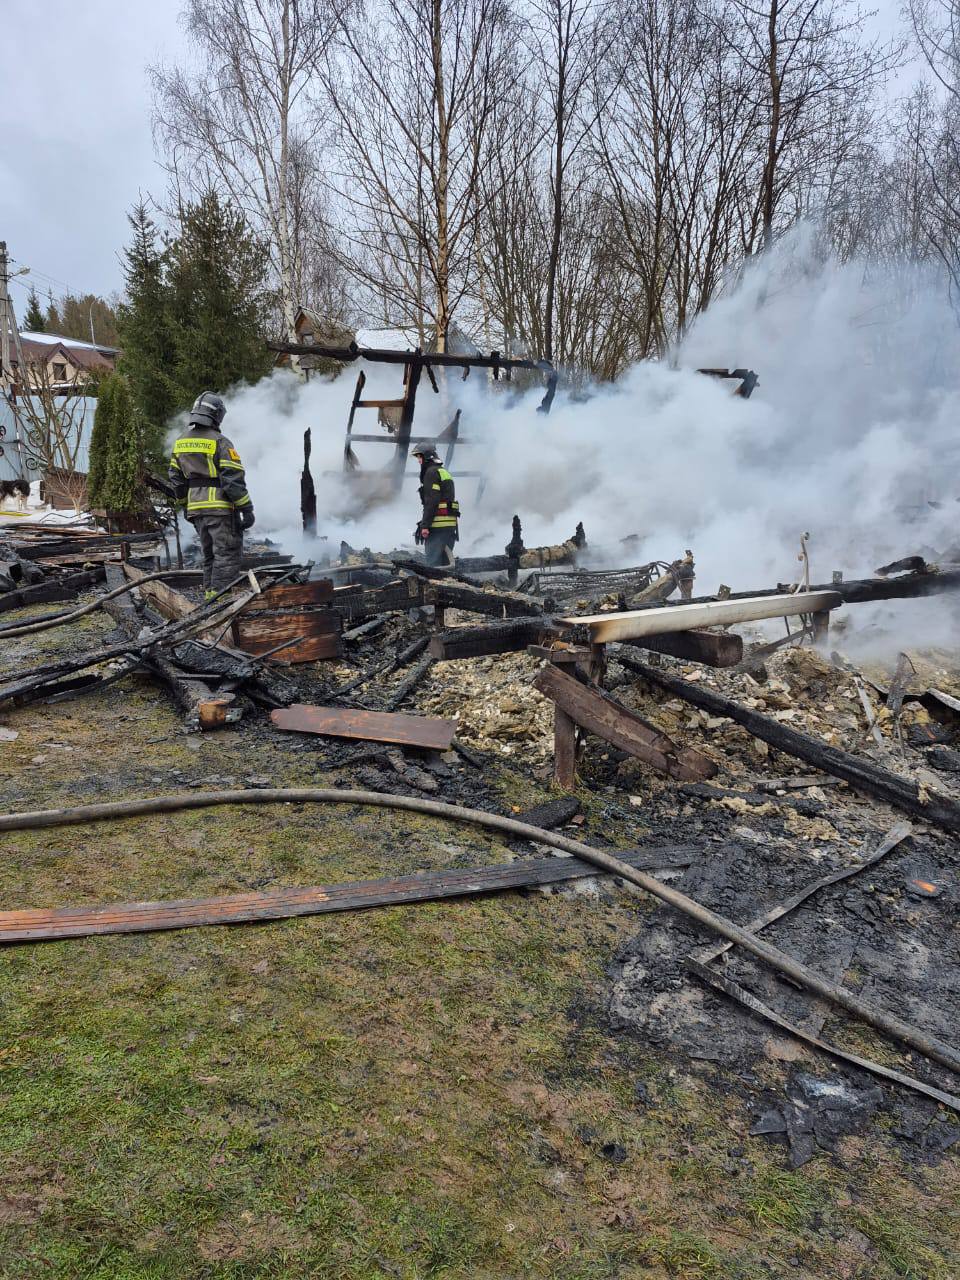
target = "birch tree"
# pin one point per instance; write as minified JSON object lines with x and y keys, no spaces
{"x":245,"y":120}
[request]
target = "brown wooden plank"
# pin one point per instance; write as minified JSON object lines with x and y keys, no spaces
{"x":598,"y":713}
{"x":289,"y":595}
{"x":279,"y":904}
{"x":280,"y":624}
{"x":262,"y":632}
{"x":310,"y":649}
{"x":372,"y":726}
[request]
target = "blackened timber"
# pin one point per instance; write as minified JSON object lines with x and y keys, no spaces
{"x":50,"y":549}
{"x":862,"y":774}
{"x":609,"y":719}
{"x":282,"y":904}
{"x":712,"y":648}
{"x":499,"y":604}
{"x":410,"y":682}
{"x":496,"y":637}
{"x":66,"y":588}
{"x":357,"y":603}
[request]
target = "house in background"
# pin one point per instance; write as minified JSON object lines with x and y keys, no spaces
{"x":58,"y":362}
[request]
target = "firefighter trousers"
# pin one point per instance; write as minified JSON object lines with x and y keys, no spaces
{"x":221,"y":542}
{"x":438,"y":548}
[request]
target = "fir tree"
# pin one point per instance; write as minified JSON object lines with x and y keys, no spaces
{"x":144,"y":328}
{"x":115,"y":476}
{"x":216,"y":276}
{"x":33,"y":318}
{"x":100,"y":440}
{"x":123,"y":485}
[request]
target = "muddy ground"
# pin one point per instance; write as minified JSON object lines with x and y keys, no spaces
{"x":525,"y":1085}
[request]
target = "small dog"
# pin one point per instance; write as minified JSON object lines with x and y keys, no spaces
{"x":19,"y":489}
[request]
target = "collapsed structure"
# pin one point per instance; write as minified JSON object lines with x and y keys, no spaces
{"x":610,"y":679}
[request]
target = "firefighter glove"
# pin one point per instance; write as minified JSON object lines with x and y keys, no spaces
{"x":247,"y":518}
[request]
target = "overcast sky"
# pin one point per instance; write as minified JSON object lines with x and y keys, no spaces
{"x":75,"y":137}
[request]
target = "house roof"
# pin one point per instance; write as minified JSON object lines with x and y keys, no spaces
{"x":27,"y":335}
{"x":83,"y":355}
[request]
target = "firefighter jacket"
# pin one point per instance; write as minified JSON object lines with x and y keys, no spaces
{"x":207,"y":472}
{"x":440,"y":507}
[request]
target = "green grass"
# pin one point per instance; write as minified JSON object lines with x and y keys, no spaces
{"x":396,"y":1093}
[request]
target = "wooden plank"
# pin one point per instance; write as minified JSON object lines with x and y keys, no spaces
{"x":373,"y":726}
{"x":598,"y":713}
{"x":632,"y":625}
{"x":280,"y":904}
{"x":260,"y":632}
{"x":289,"y":595}
{"x":712,"y":648}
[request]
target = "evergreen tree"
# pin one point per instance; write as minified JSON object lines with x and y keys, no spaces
{"x":115,"y":476}
{"x":33,"y":318}
{"x":123,"y":485}
{"x":100,"y":440}
{"x":51,"y":321}
{"x":143,"y":322}
{"x":216,"y":276}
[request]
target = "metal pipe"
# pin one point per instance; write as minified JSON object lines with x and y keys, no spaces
{"x":891,"y":1025}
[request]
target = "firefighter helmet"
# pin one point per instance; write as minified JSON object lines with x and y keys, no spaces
{"x":208,"y":410}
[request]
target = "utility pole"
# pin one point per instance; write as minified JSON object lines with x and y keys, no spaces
{"x":8,"y":329}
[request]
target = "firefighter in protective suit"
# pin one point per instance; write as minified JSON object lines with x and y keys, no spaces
{"x":438,"y":529}
{"x":207,"y":473}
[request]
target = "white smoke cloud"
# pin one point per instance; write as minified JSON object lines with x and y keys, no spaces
{"x":851,"y":433}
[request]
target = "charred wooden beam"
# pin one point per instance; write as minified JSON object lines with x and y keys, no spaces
{"x":498,"y":604}
{"x":599,"y":713}
{"x":67,"y":587}
{"x":50,"y":549}
{"x":712,"y":648}
{"x":354,"y":604}
{"x":860,"y":773}
{"x":496,"y":637}
{"x":409,"y":683}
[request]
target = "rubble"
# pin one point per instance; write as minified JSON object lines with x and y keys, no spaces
{"x":387,"y":632}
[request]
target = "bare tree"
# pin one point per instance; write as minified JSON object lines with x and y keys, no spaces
{"x":426,"y":72}
{"x":51,"y":421}
{"x":246,"y":120}
{"x":809,"y":65}
{"x":936,"y":25}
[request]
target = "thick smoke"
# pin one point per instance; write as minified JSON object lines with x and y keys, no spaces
{"x":850,"y":435}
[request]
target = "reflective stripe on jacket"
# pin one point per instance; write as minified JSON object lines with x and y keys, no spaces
{"x":438,"y":495}
{"x":206,"y":464}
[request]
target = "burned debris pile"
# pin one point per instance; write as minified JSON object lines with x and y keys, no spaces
{"x":796,"y":815}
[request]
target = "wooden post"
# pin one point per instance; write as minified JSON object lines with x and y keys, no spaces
{"x":564,"y":750}
{"x":821,"y":628}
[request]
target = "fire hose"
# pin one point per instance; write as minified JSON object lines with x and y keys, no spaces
{"x":785,"y":964}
